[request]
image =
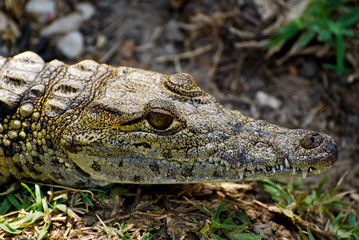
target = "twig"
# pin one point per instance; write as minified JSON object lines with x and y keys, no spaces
{"x":190,"y":54}
{"x":251,"y":44}
{"x":312,"y":114}
{"x":154,"y":36}
{"x":241,"y":33}
{"x":111,"y":52}
{"x":216,"y":59}
{"x":104,"y":226}
{"x":150,"y":214}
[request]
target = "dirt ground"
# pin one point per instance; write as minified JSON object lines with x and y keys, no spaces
{"x":220,"y":44}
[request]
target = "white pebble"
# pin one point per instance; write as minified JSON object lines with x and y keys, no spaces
{"x":44,"y":9}
{"x":265,"y":100}
{"x":86,"y":9}
{"x":63,"y":25}
{"x":71,"y":44}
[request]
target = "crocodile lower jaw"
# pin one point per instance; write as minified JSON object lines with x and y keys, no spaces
{"x":135,"y":168}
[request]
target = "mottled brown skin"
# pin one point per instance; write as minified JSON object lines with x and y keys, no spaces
{"x":91,"y":124}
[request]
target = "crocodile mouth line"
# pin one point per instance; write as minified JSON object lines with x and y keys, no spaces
{"x":284,"y":169}
{"x":279,"y":170}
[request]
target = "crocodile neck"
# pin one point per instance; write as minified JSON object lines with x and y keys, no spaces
{"x":40,"y":101}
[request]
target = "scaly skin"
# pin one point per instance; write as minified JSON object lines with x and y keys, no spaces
{"x":91,"y":124}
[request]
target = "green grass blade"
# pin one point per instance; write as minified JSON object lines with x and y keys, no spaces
{"x":86,"y":198}
{"x":243,"y":217}
{"x":318,"y":191}
{"x":240,"y":228}
{"x":311,"y":237}
{"x":283,"y":34}
{"x":29,"y":190}
{"x":349,"y":18}
{"x":38,"y":198}
{"x":125,"y":192}
{"x":13,"y":200}
{"x":44,"y":232}
{"x":5,"y":206}
{"x":4,"y":225}
{"x":28,"y":219}
{"x":277,"y":193}
{"x":215,"y":217}
{"x":243,"y":236}
{"x":356,"y":232}
{"x":336,"y":222}
{"x":352,"y":219}
{"x":335,"y":27}
{"x":304,"y":39}
{"x":335,"y":203}
{"x":301,"y":233}
{"x":63,"y":208}
{"x":205,"y":210}
{"x":338,"y":185}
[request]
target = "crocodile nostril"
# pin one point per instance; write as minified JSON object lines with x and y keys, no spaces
{"x":311,"y":140}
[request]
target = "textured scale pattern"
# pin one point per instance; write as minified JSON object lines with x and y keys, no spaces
{"x":91,"y":124}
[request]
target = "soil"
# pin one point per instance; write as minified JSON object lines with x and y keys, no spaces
{"x":222,"y":42}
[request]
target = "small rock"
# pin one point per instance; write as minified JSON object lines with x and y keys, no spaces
{"x":265,"y":100}
{"x":63,"y":25}
{"x":266,"y":9}
{"x":173,"y":31}
{"x":101,"y":41}
{"x":264,"y":230}
{"x":70,"y":22}
{"x":176,"y":4}
{"x":308,"y":69}
{"x":86,"y":9}
{"x":169,"y":49}
{"x":128,"y":48}
{"x":71,"y":44}
{"x":44,"y":10}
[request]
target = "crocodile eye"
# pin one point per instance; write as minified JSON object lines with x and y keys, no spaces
{"x":159,"y":121}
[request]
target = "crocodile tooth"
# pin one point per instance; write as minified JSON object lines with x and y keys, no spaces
{"x":282,"y":167}
{"x":252,"y":171}
{"x":287,"y":164}
{"x":293,"y":170}
{"x":304,"y":174}
{"x":265,"y":171}
{"x":241,"y":174}
{"x":210,"y":160}
{"x":277,"y":166}
{"x":310,"y":170}
{"x":227,"y":168}
{"x":222,"y":163}
{"x":273,"y":170}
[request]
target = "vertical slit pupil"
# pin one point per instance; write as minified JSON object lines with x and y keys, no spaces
{"x":159,"y":121}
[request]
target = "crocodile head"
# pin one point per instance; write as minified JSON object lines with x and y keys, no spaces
{"x":147,"y":127}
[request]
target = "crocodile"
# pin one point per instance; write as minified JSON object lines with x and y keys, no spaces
{"x":91,"y":124}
